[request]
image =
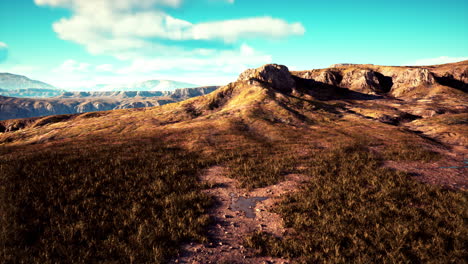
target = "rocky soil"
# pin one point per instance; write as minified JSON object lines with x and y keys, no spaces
{"x":227,"y":233}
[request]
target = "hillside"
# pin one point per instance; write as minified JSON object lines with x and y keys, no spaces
{"x":353,"y":164}
{"x":83,"y":102}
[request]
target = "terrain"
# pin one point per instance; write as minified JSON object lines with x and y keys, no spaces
{"x":353,"y":164}
{"x":82,"y":102}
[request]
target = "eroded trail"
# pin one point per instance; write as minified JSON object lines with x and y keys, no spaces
{"x":230,"y":227}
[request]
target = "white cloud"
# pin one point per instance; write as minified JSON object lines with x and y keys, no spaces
{"x":109,"y":4}
{"x":72,"y":66}
{"x":436,"y":61}
{"x":232,"y":30}
{"x":137,"y":32}
{"x":223,"y":62}
{"x":125,"y":25}
{"x":3,"y":45}
{"x":104,"y":68}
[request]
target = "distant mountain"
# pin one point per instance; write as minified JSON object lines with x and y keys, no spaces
{"x":10,"y":81}
{"x":31,"y":92}
{"x":179,"y":93}
{"x":81,"y":102}
{"x":150,"y":85}
{"x":21,"y":86}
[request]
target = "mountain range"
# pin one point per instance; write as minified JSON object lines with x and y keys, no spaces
{"x":82,"y":102}
{"x":13,"y":85}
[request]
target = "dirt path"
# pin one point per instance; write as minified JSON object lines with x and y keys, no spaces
{"x":231,"y":227}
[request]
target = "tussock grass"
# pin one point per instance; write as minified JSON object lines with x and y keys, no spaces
{"x":405,"y":151}
{"x":116,"y":203}
{"x":355,"y":211}
{"x":255,"y":168}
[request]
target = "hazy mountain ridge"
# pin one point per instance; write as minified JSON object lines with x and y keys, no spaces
{"x":81,"y":102}
{"x":10,"y":81}
{"x":31,"y":92}
{"x":149,"y":85}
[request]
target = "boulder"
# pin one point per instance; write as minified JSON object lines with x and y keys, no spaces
{"x":275,"y":76}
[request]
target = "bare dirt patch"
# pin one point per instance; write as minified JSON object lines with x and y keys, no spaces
{"x":227,"y":233}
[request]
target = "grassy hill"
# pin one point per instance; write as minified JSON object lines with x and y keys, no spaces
{"x":123,"y":186}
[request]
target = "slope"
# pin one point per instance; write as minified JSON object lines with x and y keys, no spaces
{"x":262,"y":128}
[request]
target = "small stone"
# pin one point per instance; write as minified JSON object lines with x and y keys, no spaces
{"x":227,"y":216}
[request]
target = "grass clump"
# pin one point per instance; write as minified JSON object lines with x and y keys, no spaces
{"x":355,"y":211}
{"x":117,"y":203}
{"x":260,"y":167}
{"x":403,"y":151}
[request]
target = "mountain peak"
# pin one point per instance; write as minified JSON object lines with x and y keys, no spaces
{"x":275,"y":76}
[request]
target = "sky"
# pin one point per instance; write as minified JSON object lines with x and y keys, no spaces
{"x":74,"y":44}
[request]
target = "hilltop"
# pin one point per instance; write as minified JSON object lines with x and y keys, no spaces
{"x":358,"y":163}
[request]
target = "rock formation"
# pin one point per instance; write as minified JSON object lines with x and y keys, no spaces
{"x":275,"y":76}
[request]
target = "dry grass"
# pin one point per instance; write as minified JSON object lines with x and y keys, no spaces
{"x":355,"y":211}
{"x":125,"y":203}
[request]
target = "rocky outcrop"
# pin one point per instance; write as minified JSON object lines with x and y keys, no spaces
{"x":405,"y":81}
{"x":366,"y":81}
{"x":397,"y":81}
{"x":330,"y":78}
{"x":275,"y":76}
{"x":185,"y":93}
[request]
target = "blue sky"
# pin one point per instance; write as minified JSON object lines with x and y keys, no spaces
{"x":78,"y":43}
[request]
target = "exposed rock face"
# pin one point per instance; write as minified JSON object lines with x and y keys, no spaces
{"x":185,"y":93}
{"x":330,"y":78}
{"x":410,"y":78}
{"x":398,"y":81}
{"x":366,"y":81}
{"x":276,"y":76}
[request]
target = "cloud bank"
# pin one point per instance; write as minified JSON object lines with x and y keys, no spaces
{"x":439,"y":60}
{"x":138,"y":31}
